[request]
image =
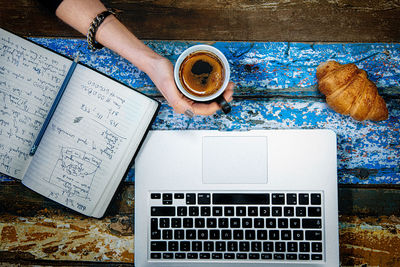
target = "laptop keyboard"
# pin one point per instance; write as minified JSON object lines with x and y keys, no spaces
{"x":273,"y":226}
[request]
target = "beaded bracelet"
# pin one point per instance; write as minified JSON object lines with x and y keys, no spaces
{"x":91,"y":35}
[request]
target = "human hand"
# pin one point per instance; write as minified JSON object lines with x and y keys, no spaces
{"x":162,"y":75}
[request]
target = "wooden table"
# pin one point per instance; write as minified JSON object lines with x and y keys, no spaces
{"x":275,"y":89}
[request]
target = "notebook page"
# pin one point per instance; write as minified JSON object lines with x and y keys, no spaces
{"x":86,"y":140}
{"x":30,"y":77}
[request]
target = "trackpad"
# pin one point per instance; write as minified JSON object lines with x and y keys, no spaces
{"x":235,"y":159}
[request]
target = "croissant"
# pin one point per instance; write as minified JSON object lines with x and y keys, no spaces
{"x":349,"y":91}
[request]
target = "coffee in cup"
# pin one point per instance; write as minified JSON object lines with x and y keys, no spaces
{"x":202,"y":74}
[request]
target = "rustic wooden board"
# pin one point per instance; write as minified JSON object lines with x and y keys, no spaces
{"x":258,"y":69}
{"x":277,"y":89}
{"x":280,"y":20}
{"x":34,"y":229}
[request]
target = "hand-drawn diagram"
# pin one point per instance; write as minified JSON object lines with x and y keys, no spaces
{"x":74,"y":172}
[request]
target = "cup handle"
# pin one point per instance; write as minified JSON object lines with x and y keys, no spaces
{"x":226,"y":108}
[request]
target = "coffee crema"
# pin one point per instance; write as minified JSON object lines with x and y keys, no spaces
{"x":201,"y":73}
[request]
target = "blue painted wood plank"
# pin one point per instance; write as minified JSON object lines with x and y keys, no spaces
{"x":262,"y":69}
{"x":288,"y":69}
{"x":361,"y":145}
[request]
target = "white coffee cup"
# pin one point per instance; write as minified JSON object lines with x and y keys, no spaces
{"x":216,"y":95}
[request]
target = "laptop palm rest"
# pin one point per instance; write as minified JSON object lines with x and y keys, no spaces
{"x":234,"y":160}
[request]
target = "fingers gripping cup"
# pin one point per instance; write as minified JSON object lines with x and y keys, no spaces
{"x":202,"y":74}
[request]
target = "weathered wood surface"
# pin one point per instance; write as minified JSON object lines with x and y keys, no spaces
{"x":233,"y":20}
{"x":34,"y":229}
{"x":276,"y":89}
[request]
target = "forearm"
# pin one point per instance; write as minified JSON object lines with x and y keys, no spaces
{"x":111,"y":33}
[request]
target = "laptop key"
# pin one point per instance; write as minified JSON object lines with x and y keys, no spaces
{"x":256,"y":246}
{"x":164,"y":222}
{"x":291,"y":199}
{"x":280,"y":246}
{"x":229,"y":211}
{"x":203,"y":198}
{"x":316,"y":257}
{"x":250,"y":234}
{"x":304,"y":247}
{"x":268,"y":246}
{"x":193,"y":211}
{"x":168,"y":256}
{"x":167,"y":199}
{"x":229,"y":256}
{"x":241,"y":256}
{"x":300,"y":211}
{"x":208,"y":246}
{"x":311,"y":223}
{"x":184,"y":246}
{"x":264,"y":211}
{"x":155,"y":196}
{"x":291,"y":256}
{"x":262,"y":234}
{"x":192,"y":256}
{"x":217,"y":211}
{"x":276,"y":211}
{"x":211,"y":222}
{"x":314,"y":212}
{"x":205,"y":255}
{"x":303,"y":199}
{"x":313,"y":235}
{"x":244,"y":246}
{"x":197,"y":246}
{"x":176,"y":222}
{"x":316,"y":247}
{"x":278,"y":199}
{"x":232,"y":246}
{"x":279,"y":256}
{"x":315,"y":199}
{"x":155,"y":255}
{"x":270,"y":223}
{"x":173,"y":246}
{"x":238,"y":234}
{"x":158,"y":246}
{"x":167,"y":234}
{"x":162,"y":211}
{"x":240,"y":211}
{"x":273,"y":234}
{"x":182,"y":211}
{"x":216,"y":256}
{"x":190,"y":199}
{"x":235,"y":222}
{"x":226,"y":234}
{"x":179,"y":196}
{"x":305,"y":257}
{"x":179,"y":234}
{"x":266,"y":256}
{"x":254,"y":256}
{"x":191,"y":234}
{"x":298,"y":235}
{"x":187,"y":222}
{"x":220,"y":246}
{"x":292,"y":246}
{"x":205,"y":211}
{"x":252,"y":211}
{"x":214,"y":234}
{"x":180,"y":256}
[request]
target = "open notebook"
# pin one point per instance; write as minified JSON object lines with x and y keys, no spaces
{"x":91,"y":139}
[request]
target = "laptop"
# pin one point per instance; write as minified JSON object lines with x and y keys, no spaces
{"x":237,"y":198}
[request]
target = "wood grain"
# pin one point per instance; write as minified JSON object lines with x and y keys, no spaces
{"x":237,"y":20}
{"x":35,"y":230}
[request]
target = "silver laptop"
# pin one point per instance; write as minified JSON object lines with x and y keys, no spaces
{"x":212,"y":198}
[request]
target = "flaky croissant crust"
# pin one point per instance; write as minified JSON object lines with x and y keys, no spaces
{"x":349,"y":91}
